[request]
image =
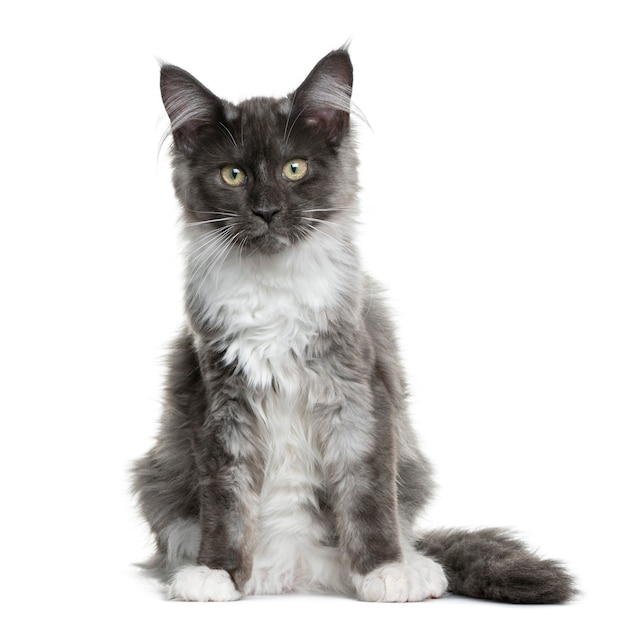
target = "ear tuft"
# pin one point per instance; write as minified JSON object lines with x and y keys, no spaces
{"x":190,"y":106}
{"x":323,"y":100}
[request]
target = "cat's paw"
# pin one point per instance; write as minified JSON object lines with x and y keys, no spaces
{"x":417,"y":580}
{"x":198,"y":583}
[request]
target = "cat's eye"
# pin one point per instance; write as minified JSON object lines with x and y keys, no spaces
{"x":233,"y":175}
{"x":295,"y":169}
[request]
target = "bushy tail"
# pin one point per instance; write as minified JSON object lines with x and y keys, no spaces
{"x":492,"y":564}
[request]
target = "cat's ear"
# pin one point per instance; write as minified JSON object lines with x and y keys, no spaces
{"x":192,"y":109}
{"x":323,"y":100}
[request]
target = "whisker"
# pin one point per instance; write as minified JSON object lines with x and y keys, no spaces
{"x":219,"y":256}
{"x":302,"y":233}
{"x":309,"y":220}
{"x":314,"y":219}
{"x":290,"y":110}
{"x":341,"y":244}
{"x":327,"y":210}
{"x":228,"y":133}
{"x":210,"y":251}
{"x":224,"y":255}
{"x":292,"y":126}
{"x":211,"y":221}
{"x":206,"y":250}
{"x":240,"y":248}
{"x":209,"y":238}
{"x":199,"y":266}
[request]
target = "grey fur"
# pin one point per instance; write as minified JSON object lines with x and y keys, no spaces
{"x":491,"y":563}
{"x":208,"y":464}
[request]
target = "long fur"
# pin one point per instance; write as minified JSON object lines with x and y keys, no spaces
{"x":491,"y":563}
{"x":286,"y":459}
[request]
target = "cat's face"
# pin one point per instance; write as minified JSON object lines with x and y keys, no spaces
{"x":266,"y":173}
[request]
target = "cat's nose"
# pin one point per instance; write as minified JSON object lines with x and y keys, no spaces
{"x":266,"y":213}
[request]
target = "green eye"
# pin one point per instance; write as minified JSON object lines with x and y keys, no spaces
{"x":233,"y":175}
{"x":295,"y":169}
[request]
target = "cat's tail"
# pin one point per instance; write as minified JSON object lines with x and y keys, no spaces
{"x":492,"y":564}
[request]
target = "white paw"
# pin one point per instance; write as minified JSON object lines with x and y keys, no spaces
{"x":416,"y":580}
{"x":198,"y":583}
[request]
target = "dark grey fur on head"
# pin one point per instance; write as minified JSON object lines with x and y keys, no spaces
{"x":286,"y":459}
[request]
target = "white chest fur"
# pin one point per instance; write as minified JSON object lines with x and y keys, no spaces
{"x":270,"y":307}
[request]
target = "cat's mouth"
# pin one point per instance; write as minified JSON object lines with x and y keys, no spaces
{"x":266,"y":238}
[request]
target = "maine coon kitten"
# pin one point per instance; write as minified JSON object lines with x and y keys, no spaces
{"x":285,"y":459}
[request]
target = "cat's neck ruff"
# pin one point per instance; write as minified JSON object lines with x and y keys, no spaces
{"x":265,"y":310}
{"x":310,"y":274}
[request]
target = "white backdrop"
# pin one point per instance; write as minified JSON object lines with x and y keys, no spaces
{"x":493,"y":210}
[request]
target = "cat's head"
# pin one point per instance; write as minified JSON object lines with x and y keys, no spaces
{"x":266,"y":173}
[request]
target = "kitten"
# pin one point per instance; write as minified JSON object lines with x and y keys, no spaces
{"x":286,"y":460}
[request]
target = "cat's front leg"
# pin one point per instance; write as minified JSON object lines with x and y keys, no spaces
{"x":413,"y":579}
{"x":199,"y":583}
{"x":360,"y":462}
{"x":229,"y":470}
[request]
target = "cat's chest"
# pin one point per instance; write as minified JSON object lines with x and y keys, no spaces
{"x":269,"y":310}
{"x":267,"y":337}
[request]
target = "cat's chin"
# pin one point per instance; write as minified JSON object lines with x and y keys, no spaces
{"x":268,"y":244}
